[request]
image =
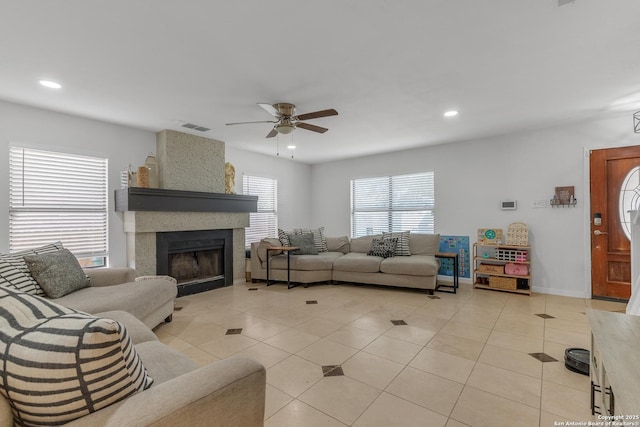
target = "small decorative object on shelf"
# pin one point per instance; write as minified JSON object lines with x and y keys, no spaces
{"x":490,"y":235}
{"x":636,"y":122}
{"x":564,"y":196}
{"x":151,"y":163}
{"x":517,"y":234}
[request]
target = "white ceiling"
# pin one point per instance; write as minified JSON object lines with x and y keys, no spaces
{"x":390,"y":68}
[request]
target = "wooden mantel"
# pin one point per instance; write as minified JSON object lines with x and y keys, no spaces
{"x":162,"y":200}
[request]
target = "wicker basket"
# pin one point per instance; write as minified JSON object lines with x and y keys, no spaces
{"x":503,"y":282}
{"x":491,"y":268}
{"x":517,"y":234}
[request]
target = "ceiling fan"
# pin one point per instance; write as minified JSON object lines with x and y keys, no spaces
{"x":287,"y":120}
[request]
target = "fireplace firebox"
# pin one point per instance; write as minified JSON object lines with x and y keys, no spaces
{"x":199,"y":260}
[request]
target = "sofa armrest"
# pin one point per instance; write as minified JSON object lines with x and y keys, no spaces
{"x":109,"y":276}
{"x":230,"y":392}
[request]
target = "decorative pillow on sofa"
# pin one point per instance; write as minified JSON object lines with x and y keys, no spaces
{"x":284,"y":237}
{"x":383,"y":247}
{"x":403,"y":242}
{"x":58,"y":273}
{"x":305,"y":242}
{"x":15,"y":274}
{"x":319,"y":239}
{"x":267,"y":243}
{"x":61,"y":364}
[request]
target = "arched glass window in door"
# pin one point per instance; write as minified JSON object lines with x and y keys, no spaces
{"x":629,"y":199}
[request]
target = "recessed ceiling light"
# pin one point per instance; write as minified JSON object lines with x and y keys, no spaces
{"x":50,"y":84}
{"x":291,"y":147}
{"x":451,"y":113}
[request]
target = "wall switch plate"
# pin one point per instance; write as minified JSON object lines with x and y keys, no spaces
{"x":540,"y":203}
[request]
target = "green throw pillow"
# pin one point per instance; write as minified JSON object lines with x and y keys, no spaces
{"x":305,"y":242}
{"x":58,"y":273}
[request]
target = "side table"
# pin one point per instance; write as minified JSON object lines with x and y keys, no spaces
{"x":454,"y":287}
{"x":288,"y":250}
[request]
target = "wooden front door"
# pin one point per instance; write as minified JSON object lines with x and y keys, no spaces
{"x":610,"y":246}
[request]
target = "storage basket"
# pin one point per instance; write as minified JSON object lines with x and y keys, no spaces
{"x":513,"y":255}
{"x":503,"y":282}
{"x":517,"y":234}
{"x":491,"y":268}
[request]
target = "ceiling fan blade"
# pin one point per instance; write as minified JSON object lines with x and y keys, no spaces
{"x":273,"y":133}
{"x":270,"y":109}
{"x":317,"y":114}
{"x":245,"y":123}
{"x":311,"y":127}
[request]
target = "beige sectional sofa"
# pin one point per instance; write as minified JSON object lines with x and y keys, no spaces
{"x":347,"y":261}
{"x":229,"y":392}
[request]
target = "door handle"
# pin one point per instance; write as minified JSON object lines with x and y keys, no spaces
{"x":598,"y":232}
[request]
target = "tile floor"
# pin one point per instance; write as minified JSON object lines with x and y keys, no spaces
{"x":335,"y":358}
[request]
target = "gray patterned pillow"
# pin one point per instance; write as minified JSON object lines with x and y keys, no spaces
{"x":383,"y":247}
{"x":305,"y":242}
{"x":58,"y":273}
{"x":403,"y":242}
{"x":14,"y":272}
{"x":61,"y":364}
{"x":319,"y":239}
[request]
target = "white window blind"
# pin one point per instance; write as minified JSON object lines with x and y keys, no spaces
{"x":393,"y":203}
{"x":58,"y":196}
{"x":264,"y":223}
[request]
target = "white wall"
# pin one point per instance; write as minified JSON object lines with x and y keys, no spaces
{"x":472,"y":177}
{"x":294,"y":181}
{"x":44,"y":129}
{"x":122,"y":145}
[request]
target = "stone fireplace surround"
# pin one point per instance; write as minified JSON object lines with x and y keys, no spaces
{"x":194,"y":166}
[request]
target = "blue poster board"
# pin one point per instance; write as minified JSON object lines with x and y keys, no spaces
{"x":459,"y":244}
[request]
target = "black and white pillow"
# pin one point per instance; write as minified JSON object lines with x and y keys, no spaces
{"x":383,"y":247}
{"x":319,"y":239}
{"x":284,"y":237}
{"x":60,"y":364}
{"x":15,"y":274}
{"x":403,"y":242}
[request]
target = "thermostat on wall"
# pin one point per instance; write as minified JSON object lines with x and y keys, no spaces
{"x":508,"y":205}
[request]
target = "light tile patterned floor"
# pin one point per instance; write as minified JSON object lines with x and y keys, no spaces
{"x":461,"y":360}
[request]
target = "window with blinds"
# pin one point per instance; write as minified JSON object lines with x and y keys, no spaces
{"x":58,"y":196}
{"x":264,"y":223}
{"x":393,"y":203}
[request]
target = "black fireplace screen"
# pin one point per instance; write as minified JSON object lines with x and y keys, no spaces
{"x":196,"y":265}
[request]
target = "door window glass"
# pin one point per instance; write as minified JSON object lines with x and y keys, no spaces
{"x":629,"y":199}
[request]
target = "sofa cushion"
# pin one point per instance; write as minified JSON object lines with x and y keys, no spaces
{"x":60,"y":364}
{"x":402,"y":249}
{"x":338,"y":244}
{"x":424,"y":244}
{"x":14,"y":272}
{"x":383,"y":247}
{"x":358,"y":262}
{"x":305,"y":241}
{"x":58,"y":273}
{"x":319,"y":239}
{"x":138,"y":298}
{"x":414,"y":265}
{"x":162,"y":362}
{"x":362,"y":244}
{"x":320,"y":262}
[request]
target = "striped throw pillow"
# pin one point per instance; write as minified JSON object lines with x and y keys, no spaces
{"x":402,"y":249}
{"x":61,"y":364}
{"x":283,"y":236}
{"x":15,"y":274}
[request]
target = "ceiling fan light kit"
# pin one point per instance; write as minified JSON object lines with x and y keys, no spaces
{"x":287,"y":120}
